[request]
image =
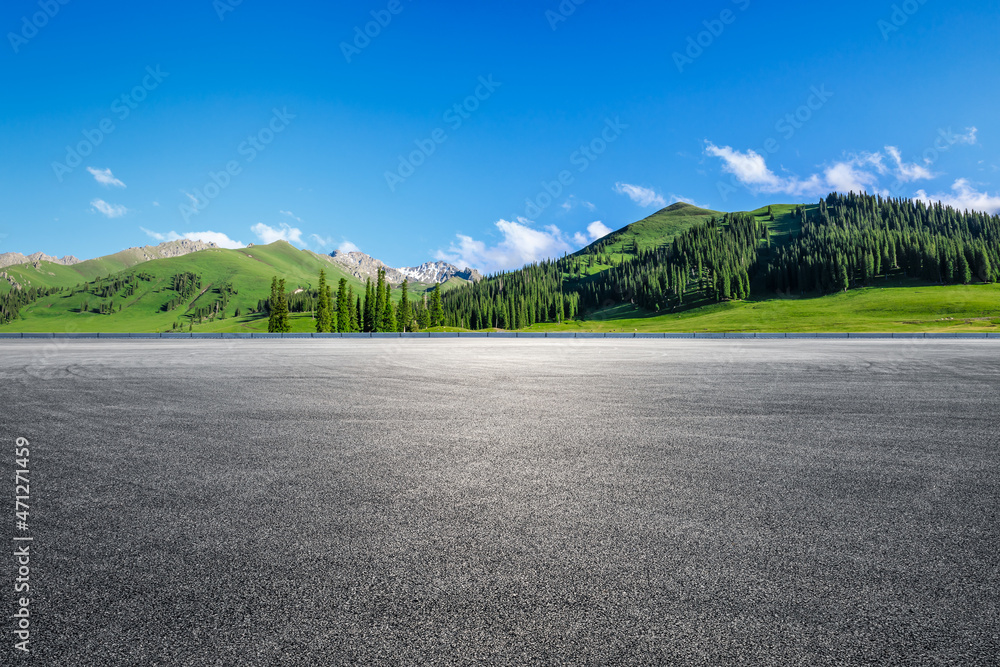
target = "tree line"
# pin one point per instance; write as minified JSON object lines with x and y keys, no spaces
{"x":347,"y":312}
{"x":847,"y":241}
{"x":851,"y":240}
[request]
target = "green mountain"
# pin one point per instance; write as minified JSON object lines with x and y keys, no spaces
{"x":847,"y":263}
{"x":135,"y":296}
{"x":688,"y":264}
{"x":653,"y":231}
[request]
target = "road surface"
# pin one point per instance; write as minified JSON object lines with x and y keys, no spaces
{"x":507,"y":501}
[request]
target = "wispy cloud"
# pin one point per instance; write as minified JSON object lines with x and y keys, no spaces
{"x":856,"y":173}
{"x":105,"y":177}
{"x":677,"y":198}
{"x":964,"y":197}
{"x":283,"y":232}
{"x":109,"y":210}
{"x":640,"y":195}
{"x":347,"y":246}
{"x":969,"y":138}
{"x":218,"y":238}
{"x":521,"y":244}
{"x":907,"y":172}
{"x":291,"y":215}
{"x":573,"y":202}
{"x":322,"y":241}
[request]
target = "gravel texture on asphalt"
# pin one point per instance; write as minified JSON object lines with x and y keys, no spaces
{"x":507,"y":502}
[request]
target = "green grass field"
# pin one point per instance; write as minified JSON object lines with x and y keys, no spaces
{"x":248,"y":269}
{"x":923,"y":308}
{"x":889,"y":306}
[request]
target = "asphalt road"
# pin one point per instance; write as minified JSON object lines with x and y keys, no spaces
{"x":507,"y":502}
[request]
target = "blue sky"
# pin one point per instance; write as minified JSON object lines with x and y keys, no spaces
{"x":487,"y":133}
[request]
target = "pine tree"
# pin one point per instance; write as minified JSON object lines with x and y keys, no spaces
{"x":282,"y":323}
{"x":437,"y":309}
{"x":379,"y":324}
{"x":272,"y":320}
{"x":423,"y":314}
{"x":324,"y":309}
{"x":343,"y":308}
{"x":369,"y":307}
{"x":404,"y":317}
{"x":387,"y":317}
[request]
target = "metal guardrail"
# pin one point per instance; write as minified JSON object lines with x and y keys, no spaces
{"x":501,"y":334}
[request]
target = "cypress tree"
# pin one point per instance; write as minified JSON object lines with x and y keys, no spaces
{"x":281,"y":321}
{"x":379,"y":323}
{"x":369,"y":309}
{"x":344,"y":308}
{"x":387,"y":317}
{"x":324,"y":309}
{"x":272,"y":320}
{"x":404,"y":317}
{"x":437,"y":308}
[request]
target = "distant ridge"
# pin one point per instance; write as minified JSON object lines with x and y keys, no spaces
{"x":15,"y":258}
{"x":364,"y":266}
{"x":128,"y":257}
{"x":132,"y":256}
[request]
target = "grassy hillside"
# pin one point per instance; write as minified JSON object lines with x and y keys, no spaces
{"x":247,"y":270}
{"x":901,"y":307}
{"x":660,"y":229}
{"x":657,"y":229}
{"x":47,"y":274}
{"x":121,"y":293}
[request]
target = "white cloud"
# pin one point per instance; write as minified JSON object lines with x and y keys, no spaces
{"x":218,"y":238}
{"x":347,"y":246}
{"x":572,"y":202}
{"x":156,"y":203}
{"x":969,"y":137}
{"x":521,"y":245}
{"x":677,"y":198}
{"x":109,"y":210}
{"x":907,"y":172}
{"x":749,"y":168}
{"x":105,"y":177}
{"x":857,"y":173}
{"x":268,"y":234}
{"x":640,"y":195}
{"x":595,"y":230}
{"x":846,"y":177}
{"x":291,"y":215}
{"x":964,"y":197}
{"x":321,"y":241}
{"x":156,"y":236}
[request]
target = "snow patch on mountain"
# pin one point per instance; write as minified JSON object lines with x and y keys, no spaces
{"x":365,"y":266}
